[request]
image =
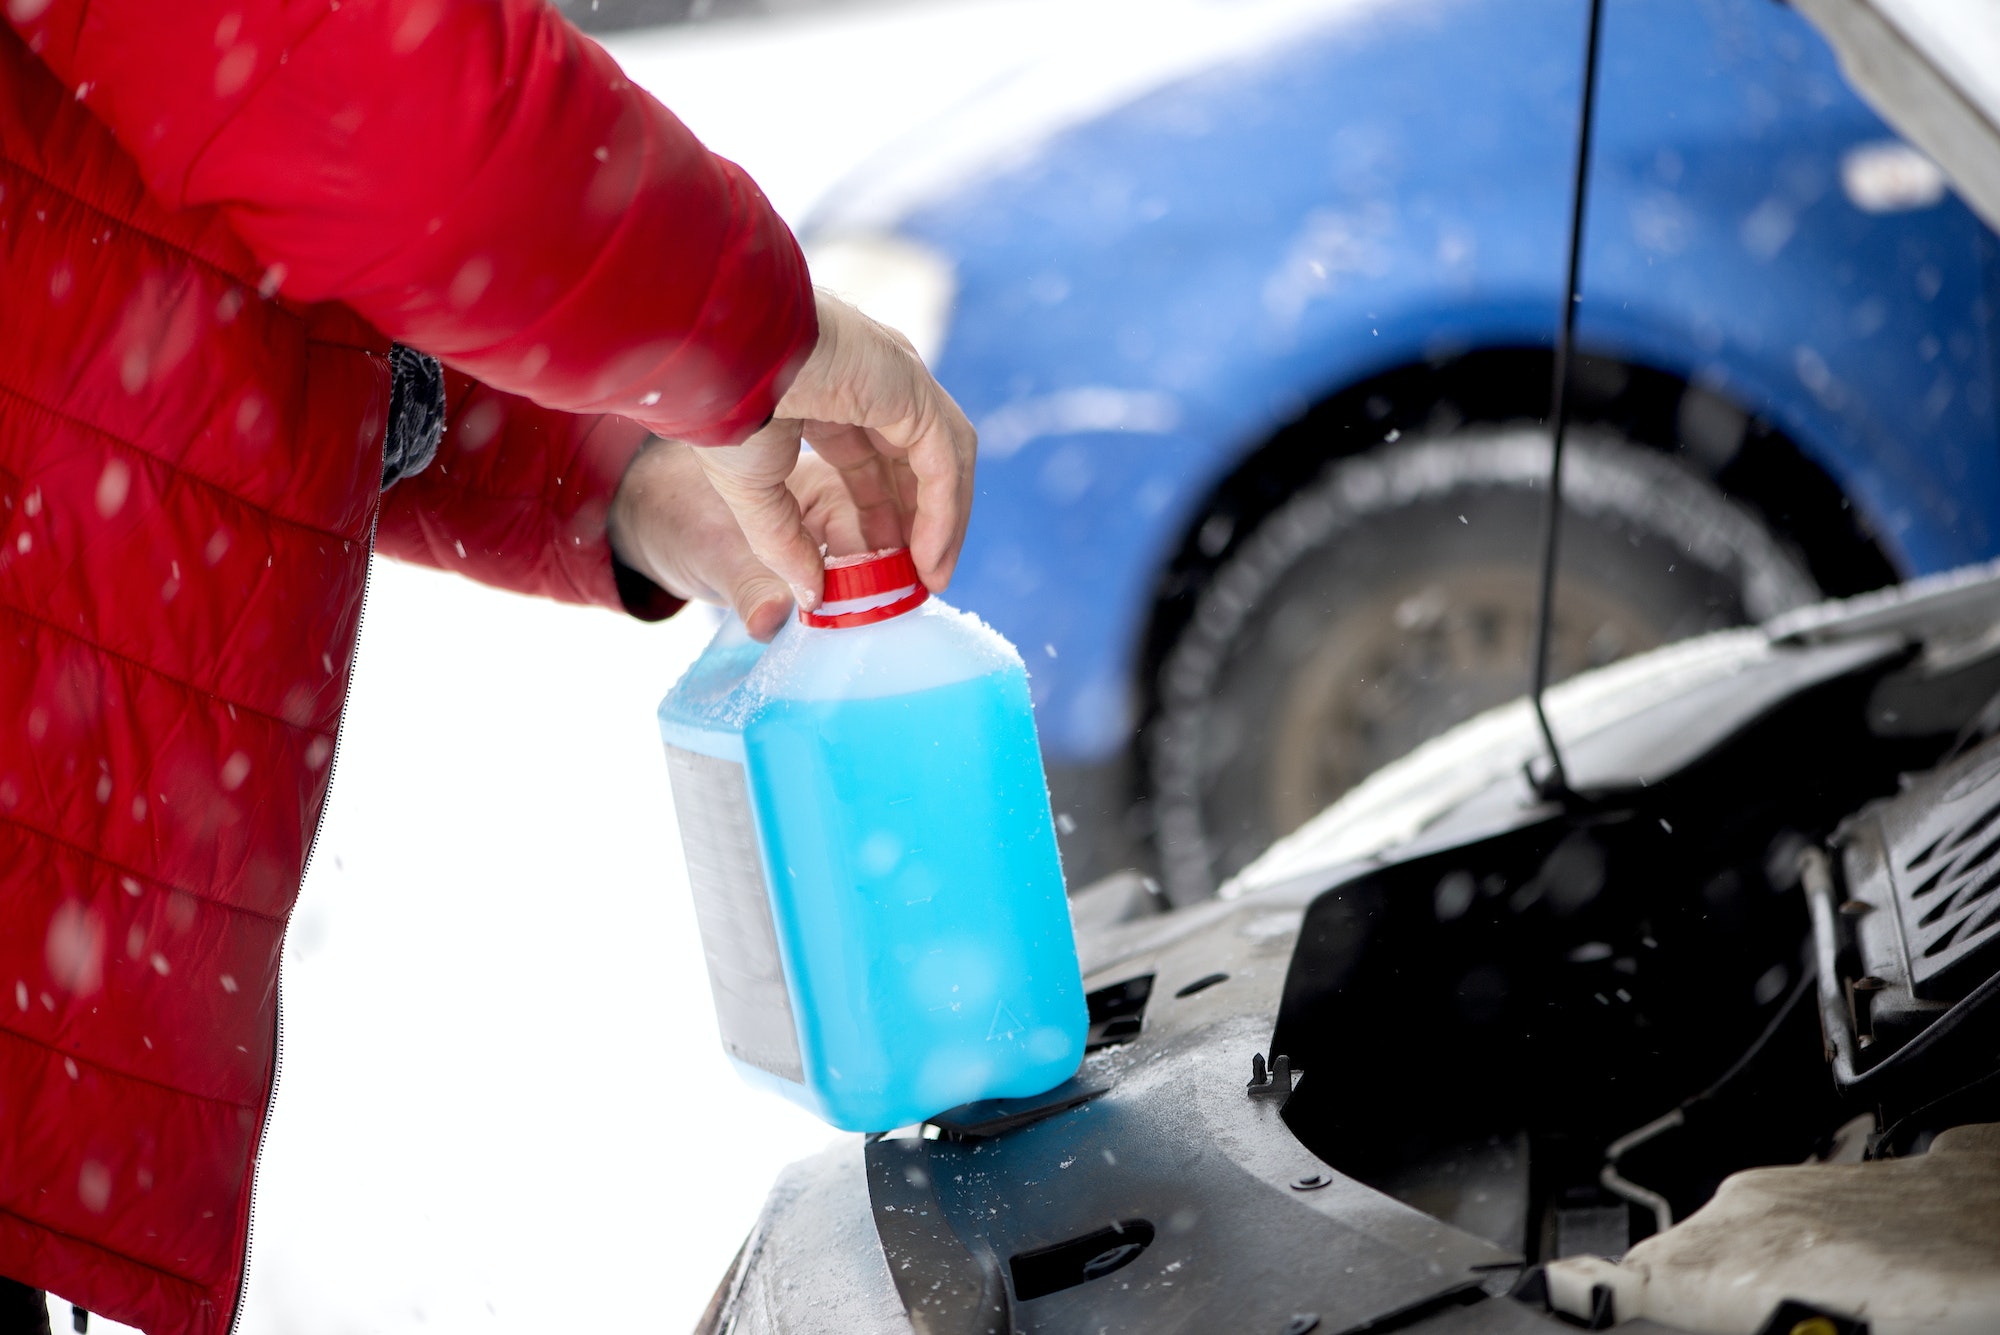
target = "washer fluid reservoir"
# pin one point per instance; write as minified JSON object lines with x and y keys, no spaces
{"x":874,"y":868}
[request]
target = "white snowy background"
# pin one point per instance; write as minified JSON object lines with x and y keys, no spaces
{"x":503,"y":1105}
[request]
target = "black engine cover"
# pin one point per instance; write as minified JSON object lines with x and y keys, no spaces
{"x":1911,"y":926}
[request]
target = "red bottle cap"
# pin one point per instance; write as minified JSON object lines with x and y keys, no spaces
{"x":864,"y":589}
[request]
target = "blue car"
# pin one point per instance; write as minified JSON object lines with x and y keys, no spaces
{"x":1261,"y":356}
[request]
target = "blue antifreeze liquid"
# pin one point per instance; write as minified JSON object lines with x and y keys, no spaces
{"x":920,"y":900}
{"x":873,"y":863}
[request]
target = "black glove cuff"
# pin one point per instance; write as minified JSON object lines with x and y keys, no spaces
{"x":416,"y":415}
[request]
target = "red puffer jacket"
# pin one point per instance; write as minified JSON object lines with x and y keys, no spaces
{"x":214,"y":216}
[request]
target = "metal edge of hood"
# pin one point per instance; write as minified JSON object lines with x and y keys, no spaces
{"x":1899,"y":63}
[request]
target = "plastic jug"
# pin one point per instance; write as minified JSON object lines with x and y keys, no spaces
{"x":868,"y":838}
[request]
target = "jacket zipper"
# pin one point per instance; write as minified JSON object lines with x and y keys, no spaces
{"x":278,"y":1023}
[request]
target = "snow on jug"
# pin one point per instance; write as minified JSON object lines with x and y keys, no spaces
{"x":874,"y":868}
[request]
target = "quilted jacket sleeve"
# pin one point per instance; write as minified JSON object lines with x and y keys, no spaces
{"x":518,"y":497}
{"x":475,"y":177}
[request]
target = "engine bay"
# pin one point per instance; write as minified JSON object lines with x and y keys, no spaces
{"x":1570,"y":1035}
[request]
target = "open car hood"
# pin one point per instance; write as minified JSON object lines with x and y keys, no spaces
{"x":1931,"y":68}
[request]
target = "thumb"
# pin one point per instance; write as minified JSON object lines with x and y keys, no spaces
{"x":761,"y":600}
{"x":668,"y":522}
{"x":717,"y":561}
{"x":718,"y":558}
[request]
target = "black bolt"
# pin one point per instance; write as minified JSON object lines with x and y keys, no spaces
{"x":1302,"y":1322}
{"x":1310,"y":1182}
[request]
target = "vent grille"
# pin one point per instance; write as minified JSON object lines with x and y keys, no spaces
{"x":1948,"y":889}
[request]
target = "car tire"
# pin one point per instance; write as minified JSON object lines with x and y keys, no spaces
{"x":1395,"y":597}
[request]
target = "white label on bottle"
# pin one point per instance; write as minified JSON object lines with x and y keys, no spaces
{"x":733,"y":907}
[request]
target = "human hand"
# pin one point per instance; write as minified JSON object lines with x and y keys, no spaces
{"x":901,"y":446}
{"x":669,"y":524}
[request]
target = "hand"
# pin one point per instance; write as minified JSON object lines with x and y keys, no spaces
{"x":668,"y":524}
{"x":901,"y":446}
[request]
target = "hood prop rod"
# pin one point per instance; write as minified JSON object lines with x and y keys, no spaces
{"x":1556,"y":783}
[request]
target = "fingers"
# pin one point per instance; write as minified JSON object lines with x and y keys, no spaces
{"x":892,"y":464}
{"x":941,"y":460}
{"x":829,"y":509}
{"x":868,"y":482}
{"x":750,"y":479}
{"x":864,"y":390}
{"x":926,"y":479}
